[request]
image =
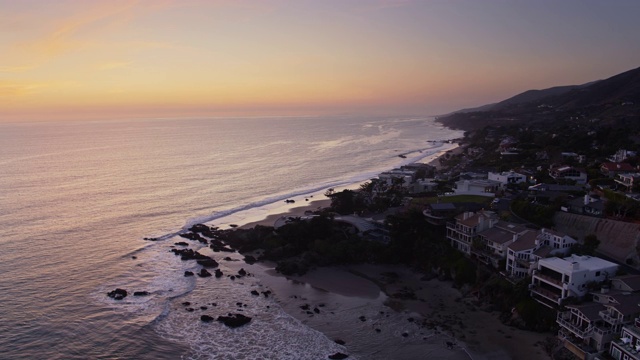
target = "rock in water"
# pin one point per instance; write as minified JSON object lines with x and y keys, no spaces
{"x":234,"y":320}
{"x":117,"y":294}
{"x":206,"y":318}
{"x":218,"y":273}
{"x":204,"y":273}
{"x":188,"y":273}
{"x":338,"y":356}
{"x":140,"y":293}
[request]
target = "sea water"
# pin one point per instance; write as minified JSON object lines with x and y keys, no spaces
{"x":77,"y":199}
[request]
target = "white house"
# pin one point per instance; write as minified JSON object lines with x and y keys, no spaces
{"x":569,"y":173}
{"x":556,"y":279}
{"x":521,"y":255}
{"x":558,"y":242}
{"x":506,"y":178}
{"x":495,"y":241}
{"x":476,"y":187}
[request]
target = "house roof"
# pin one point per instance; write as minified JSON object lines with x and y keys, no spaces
{"x":511,"y":227}
{"x":473,"y":219}
{"x":497,"y":235}
{"x":612,"y":166}
{"x":590,"y":263}
{"x":526,"y":241}
{"x":543,"y":251}
{"x":632,"y":281}
{"x":627,"y":303}
{"x":589,"y":310}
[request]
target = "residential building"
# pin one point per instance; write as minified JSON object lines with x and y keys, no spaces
{"x":465,"y":230}
{"x":569,"y":173}
{"x":628,"y":346}
{"x":507,"y":178}
{"x":492,"y":243}
{"x":627,"y":181}
{"x":438,"y":214}
{"x":520,"y":255}
{"x":556,"y":279}
{"x":524,"y":253}
{"x":622,"y":155}
{"x":611,"y":169}
{"x":591,"y":328}
{"x":476,"y":187}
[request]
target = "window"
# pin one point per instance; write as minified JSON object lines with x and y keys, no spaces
{"x":615,"y":353}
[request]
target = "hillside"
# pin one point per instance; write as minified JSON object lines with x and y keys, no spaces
{"x":615,"y":97}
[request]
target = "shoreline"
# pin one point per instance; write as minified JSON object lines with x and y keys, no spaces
{"x":447,"y":316}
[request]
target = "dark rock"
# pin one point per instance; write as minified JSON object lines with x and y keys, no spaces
{"x":190,"y":309}
{"x":204,"y":273}
{"x":208,"y":263}
{"x":203,"y":308}
{"x":316,"y":310}
{"x":266,"y":293}
{"x":181,"y":243}
{"x":117,"y":294}
{"x":404,"y":334}
{"x":242,"y":272}
{"x":186,"y":303}
{"x":378,"y":330}
{"x":255,"y":292}
{"x":234,"y":320}
{"x":250,"y":259}
{"x":362,"y":318}
{"x":232,"y":277}
{"x":134,"y":257}
{"x":338,"y":356}
{"x":188,"y":273}
{"x":140,"y":293}
{"x":304,"y":307}
{"x":206,"y":318}
{"x":339,"y":341}
{"x":218,"y":273}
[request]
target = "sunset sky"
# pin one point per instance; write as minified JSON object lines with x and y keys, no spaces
{"x":154,"y":58}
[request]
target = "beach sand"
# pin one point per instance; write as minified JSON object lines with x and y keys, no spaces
{"x":356,"y":304}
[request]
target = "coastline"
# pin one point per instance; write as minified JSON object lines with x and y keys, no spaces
{"x":440,"y":321}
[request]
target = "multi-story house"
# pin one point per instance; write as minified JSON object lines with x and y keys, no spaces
{"x":556,"y":279}
{"x":611,"y":169}
{"x":627,"y":181}
{"x":492,"y":243}
{"x":476,"y":187}
{"x":569,"y":173}
{"x":556,"y":241}
{"x":523,"y":254}
{"x":466,"y":228}
{"x":627,"y":347}
{"x":507,"y":178}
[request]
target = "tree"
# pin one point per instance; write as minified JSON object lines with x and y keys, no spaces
{"x":590,"y":245}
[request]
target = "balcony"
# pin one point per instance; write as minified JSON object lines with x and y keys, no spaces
{"x":565,"y":321}
{"x":627,"y":347}
{"x":546,"y":293}
{"x":606,"y":316}
{"x":548,"y":279}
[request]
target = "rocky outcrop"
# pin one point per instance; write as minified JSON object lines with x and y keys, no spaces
{"x":117,"y":294}
{"x":338,"y":356}
{"x":206,"y":318}
{"x":140,"y":293}
{"x":234,"y":320}
{"x":204,"y":273}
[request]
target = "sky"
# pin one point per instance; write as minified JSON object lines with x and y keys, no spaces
{"x":164,"y":58}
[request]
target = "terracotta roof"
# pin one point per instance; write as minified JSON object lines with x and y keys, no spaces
{"x":611,"y":166}
{"x":525,"y":242}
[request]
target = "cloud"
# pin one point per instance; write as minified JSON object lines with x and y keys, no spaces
{"x":11,"y":89}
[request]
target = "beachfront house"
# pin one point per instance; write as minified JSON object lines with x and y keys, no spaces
{"x":492,"y":244}
{"x":589,"y":329}
{"x":627,"y":347}
{"x":556,"y":279}
{"x":507,"y":178}
{"x":524,"y":253}
{"x":464,"y":231}
{"x":476,"y":187}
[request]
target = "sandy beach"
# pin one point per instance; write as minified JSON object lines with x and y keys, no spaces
{"x":359,"y":304}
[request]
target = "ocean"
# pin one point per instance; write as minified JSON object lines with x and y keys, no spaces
{"x":78,"y":198}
